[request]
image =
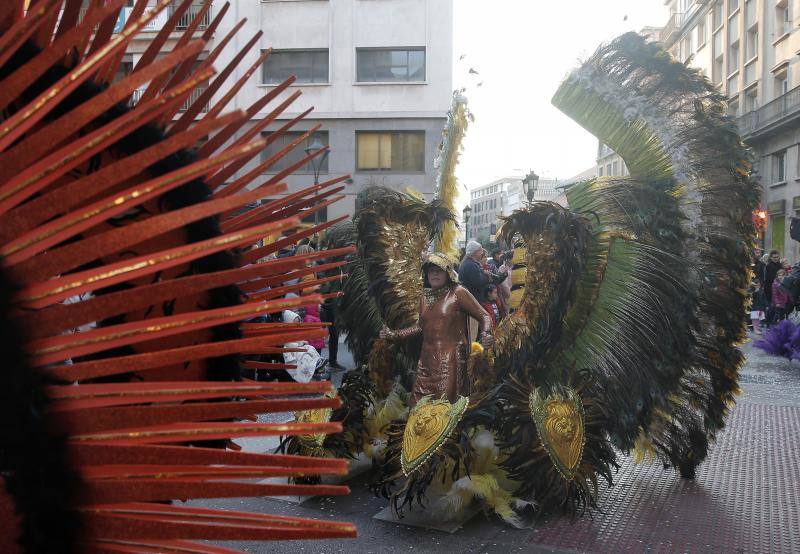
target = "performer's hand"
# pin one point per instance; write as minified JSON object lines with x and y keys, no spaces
{"x":386,"y":333}
{"x":487,"y":340}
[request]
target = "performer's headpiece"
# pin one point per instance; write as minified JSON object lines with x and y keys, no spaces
{"x":443,"y":262}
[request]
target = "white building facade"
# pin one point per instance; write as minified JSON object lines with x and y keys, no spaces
{"x":501,"y":197}
{"x":378,"y":75}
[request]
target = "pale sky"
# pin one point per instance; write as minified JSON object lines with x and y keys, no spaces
{"x":522,"y":50}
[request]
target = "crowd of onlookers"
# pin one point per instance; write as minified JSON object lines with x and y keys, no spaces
{"x":771,"y":302}
{"x":307,"y":356}
{"x":488,"y":279}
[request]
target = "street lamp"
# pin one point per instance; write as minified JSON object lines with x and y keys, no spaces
{"x":529,"y":184}
{"x":316,"y":164}
{"x":467,"y":211}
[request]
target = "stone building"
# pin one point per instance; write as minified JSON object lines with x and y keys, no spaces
{"x":749,"y":50}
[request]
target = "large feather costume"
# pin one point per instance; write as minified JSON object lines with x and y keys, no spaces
{"x":630,"y":307}
{"x":128,"y":269}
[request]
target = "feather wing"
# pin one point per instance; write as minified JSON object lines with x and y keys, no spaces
{"x":657,"y":307}
{"x":669,"y":312}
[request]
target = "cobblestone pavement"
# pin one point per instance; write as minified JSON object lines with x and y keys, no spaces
{"x":746,"y":497}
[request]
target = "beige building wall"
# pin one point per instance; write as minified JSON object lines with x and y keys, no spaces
{"x":749,"y":50}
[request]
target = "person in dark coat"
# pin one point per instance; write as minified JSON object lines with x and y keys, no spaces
{"x":758,"y":265}
{"x":770,"y":271}
{"x":473,"y":276}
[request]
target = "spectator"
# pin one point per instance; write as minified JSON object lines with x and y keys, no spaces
{"x":781,"y":300}
{"x":312,"y":316}
{"x":771,"y":268}
{"x":758,"y":305}
{"x":758,"y":265}
{"x":328,"y":315}
{"x":494,"y":305}
{"x":302,"y":250}
{"x":473,"y":276}
{"x":496,"y":261}
{"x":308,"y":362}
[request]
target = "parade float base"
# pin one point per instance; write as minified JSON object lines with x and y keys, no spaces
{"x":356,"y":467}
{"x":430,"y":519}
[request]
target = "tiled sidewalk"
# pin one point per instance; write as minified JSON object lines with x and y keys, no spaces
{"x":746,"y":497}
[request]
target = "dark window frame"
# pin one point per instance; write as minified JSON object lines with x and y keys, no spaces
{"x":278,"y":80}
{"x":364,"y":78}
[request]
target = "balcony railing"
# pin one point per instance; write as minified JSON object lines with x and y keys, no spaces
{"x":195,"y":94}
{"x":778,"y":111}
{"x":192,"y":97}
{"x":189,"y":15}
{"x":672,"y":27}
{"x":158,"y":22}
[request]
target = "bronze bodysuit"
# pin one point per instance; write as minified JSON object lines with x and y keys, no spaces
{"x":442,"y":368}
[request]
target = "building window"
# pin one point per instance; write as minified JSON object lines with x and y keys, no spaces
{"x":733,"y":5}
{"x":733,"y":107}
{"x":615,"y":168}
{"x":310,"y":66}
{"x":749,"y":13}
{"x":733,"y":58}
{"x":600,"y":171}
{"x":751,"y":48}
{"x":390,"y":65}
{"x":295,"y":154}
{"x":608,"y":170}
{"x":781,"y":85}
{"x":686,"y":49}
{"x":780,"y":167}
{"x":701,"y":34}
{"x":783,"y":23}
{"x":717,"y":16}
{"x":402,"y":151}
{"x":751,"y":100}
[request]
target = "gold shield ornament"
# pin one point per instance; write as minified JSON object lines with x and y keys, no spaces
{"x":560,"y":422}
{"x":318,"y":415}
{"x":429,"y":425}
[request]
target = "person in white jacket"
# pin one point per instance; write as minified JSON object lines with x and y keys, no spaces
{"x":307,"y":362}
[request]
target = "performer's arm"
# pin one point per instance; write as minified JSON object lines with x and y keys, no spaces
{"x":402,"y":334}
{"x":468,"y":303}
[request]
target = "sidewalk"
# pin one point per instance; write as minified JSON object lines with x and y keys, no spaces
{"x":746,"y":497}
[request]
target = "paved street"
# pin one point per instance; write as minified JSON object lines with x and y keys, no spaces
{"x":746,"y":497}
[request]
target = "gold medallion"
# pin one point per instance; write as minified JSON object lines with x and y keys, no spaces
{"x":318,"y":415}
{"x":429,"y":425}
{"x":560,"y":422}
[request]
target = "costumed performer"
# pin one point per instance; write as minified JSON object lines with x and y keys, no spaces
{"x":443,"y":318}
